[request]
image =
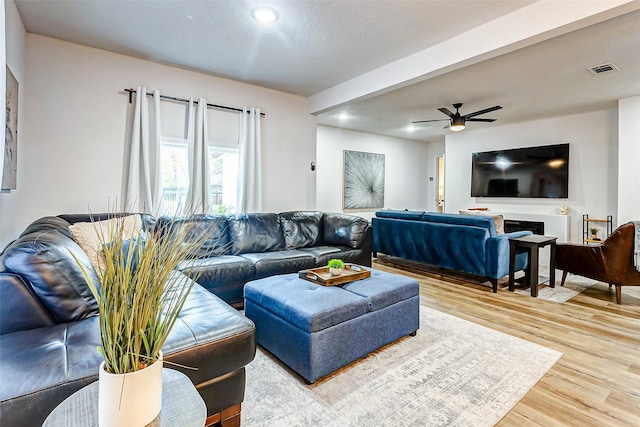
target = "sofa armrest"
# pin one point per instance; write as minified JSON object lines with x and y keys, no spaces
{"x":344,"y":230}
{"x":497,"y":254}
{"x":367,"y":247}
{"x":20,"y":309}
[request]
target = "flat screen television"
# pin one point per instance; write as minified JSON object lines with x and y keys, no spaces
{"x":533,"y":172}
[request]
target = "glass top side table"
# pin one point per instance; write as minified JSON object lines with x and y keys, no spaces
{"x":182,"y":406}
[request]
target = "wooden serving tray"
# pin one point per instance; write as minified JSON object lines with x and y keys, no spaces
{"x":321,"y":275}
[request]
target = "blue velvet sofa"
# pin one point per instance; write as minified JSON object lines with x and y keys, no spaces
{"x":465,"y":243}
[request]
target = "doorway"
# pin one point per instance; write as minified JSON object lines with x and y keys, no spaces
{"x":440,"y":184}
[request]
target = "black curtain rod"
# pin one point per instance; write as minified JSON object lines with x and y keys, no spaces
{"x":173,"y":98}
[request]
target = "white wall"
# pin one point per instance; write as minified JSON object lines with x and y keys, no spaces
{"x":593,"y":170}
{"x":406,"y":169}
{"x":74,"y":124}
{"x":629,"y":159}
{"x":15,"y":57}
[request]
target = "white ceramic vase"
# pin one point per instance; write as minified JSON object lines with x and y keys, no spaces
{"x":335,"y":271}
{"x":132,"y":399}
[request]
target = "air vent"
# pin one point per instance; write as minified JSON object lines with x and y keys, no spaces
{"x":603,"y":68}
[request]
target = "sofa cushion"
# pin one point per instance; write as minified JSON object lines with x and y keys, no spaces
{"x":384,"y":289}
{"x":20,"y":309}
{"x":457,"y":219}
{"x":48,"y":223}
{"x":301,"y":229}
{"x":279,"y":262}
{"x":322,"y":254}
{"x":46,"y":261}
{"x":255,"y":232}
{"x":306,"y":305}
{"x":222,"y":275}
{"x":215,"y":227}
{"x":343,"y":230}
{"x":91,"y":236}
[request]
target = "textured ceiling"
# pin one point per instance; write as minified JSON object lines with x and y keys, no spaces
{"x":312,"y":46}
{"x":544,"y":80}
{"x":315,"y":45}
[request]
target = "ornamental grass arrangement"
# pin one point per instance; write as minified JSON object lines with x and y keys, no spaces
{"x":139,"y":292}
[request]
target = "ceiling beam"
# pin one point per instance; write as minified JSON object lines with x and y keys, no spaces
{"x":534,"y":23}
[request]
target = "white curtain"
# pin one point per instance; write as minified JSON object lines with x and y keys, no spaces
{"x":198,"y":194}
{"x":142,"y":180}
{"x":250,"y":163}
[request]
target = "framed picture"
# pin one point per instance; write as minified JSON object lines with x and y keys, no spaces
{"x":10,"y":165}
{"x":363,"y":180}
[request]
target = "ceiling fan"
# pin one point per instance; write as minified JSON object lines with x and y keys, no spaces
{"x":457,"y":121}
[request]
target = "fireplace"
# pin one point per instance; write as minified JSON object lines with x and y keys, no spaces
{"x":511,"y":225}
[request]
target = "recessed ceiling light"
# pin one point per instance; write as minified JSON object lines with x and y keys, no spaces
{"x":264,"y":15}
{"x":411,"y":128}
{"x":344,"y":116}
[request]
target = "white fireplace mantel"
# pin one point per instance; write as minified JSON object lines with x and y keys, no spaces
{"x":554,"y":225}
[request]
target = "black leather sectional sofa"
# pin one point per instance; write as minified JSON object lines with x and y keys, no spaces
{"x":252,"y":246}
{"x":48,"y":318}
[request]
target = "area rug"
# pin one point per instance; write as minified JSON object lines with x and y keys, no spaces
{"x":452,"y":373}
{"x":572,"y":287}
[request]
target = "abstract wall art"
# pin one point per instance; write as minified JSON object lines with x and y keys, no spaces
{"x":363,"y":180}
{"x":10,"y":166}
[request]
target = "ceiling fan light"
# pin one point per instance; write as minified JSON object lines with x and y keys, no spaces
{"x":457,"y":124}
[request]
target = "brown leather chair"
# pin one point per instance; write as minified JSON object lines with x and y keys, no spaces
{"x":610,"y":262}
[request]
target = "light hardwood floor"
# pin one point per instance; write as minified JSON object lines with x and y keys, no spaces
{"x":597,"y":380}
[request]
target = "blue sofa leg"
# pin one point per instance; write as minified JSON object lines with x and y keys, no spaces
{"x":494,"y":284}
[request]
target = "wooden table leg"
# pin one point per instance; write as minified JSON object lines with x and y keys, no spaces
{"x":512,"y":265}
{"x":552,"y":266}
{"x":533,"y":269}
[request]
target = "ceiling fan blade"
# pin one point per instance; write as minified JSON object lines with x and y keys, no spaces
{"x":446,"y":111}
{"x":486,"y":110}
{"x":427,"y":121}
{"x":481,"y":120}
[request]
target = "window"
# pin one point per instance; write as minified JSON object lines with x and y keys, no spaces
{"x":223,"y":176}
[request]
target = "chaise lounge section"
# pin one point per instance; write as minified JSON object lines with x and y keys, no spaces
{"x":48,"y":317}
{"x":49,"y":331}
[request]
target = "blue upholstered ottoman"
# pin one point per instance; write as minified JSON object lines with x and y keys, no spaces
{"x":316,"y":329}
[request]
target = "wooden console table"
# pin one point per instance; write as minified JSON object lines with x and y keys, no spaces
{"x":532,"y":244}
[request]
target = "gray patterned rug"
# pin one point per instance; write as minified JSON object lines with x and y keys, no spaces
{"x":572,"y":287}
{"x":453,"y":373}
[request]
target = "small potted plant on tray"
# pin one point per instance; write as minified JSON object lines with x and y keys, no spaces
{"x":594,"y":233}
{"x":335,"y":266}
